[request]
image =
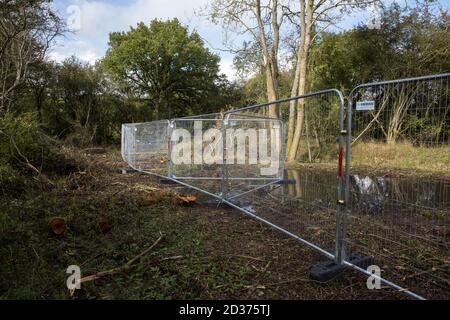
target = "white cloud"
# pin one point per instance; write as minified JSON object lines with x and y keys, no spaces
{"x":89,"y":56}
{"x":99,"y":18}
{"x":57,"y":56}
{"x":226,"y":66}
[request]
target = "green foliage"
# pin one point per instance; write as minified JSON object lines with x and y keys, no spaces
{"x":26,"y":151}
{"x":79,"y":86}
{"x":11,"y":182}
{"x":78,"y":104}
{"x":165,"y":64}
{"x":254,"y":89}
{"x":410,"y":42}
{"x":23,"y":142}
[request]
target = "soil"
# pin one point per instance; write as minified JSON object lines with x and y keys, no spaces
{"x":208,"y":252}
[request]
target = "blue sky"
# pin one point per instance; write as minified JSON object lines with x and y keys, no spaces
{"x":100,"y":17}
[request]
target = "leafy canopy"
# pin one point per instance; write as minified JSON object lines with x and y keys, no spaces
{"x":164,"y":63}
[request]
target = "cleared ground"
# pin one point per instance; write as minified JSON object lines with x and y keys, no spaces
{"x":206,"y":253}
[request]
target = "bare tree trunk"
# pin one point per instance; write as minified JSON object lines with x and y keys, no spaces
{"x":270,"y":62}
{"x":404,"y":96}
{"x":308,"y":145}
{"x":306,"y":22}
{"x":271,"y":92}
{"x":292,"y":109}
{"x":27,"y":29}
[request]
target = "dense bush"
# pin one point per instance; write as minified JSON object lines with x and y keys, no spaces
{"x":11,"y":181}
{"x":26,"y":151}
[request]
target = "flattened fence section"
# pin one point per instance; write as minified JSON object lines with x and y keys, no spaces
{"x":398,"y":184}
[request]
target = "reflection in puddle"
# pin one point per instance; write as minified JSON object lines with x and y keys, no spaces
{"x":371,"y":192}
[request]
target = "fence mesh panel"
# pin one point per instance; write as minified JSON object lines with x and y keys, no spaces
{"x":305,"y":203}
{"x":253,"y":155}
{"x":300,"y":201}
{"x":399,"y":181}
{"x":145,"y":146}
{"x":192,"y":141}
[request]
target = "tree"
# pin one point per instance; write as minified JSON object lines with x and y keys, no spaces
{"x":262,"y":22}
{"x":40,"y":82}
{"x":27,"y":29}
{"x":79,"y":87}
{"x":163,"y":63}
{"x":411,"y":41}
{"x":313,"y":17}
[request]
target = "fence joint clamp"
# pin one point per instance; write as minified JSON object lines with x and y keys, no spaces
{"x":341,"y":202}
{"x":344,"y":132}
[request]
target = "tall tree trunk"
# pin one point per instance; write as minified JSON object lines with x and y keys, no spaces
{"x":271,"y":92}
{"x":292,"y":109}
{"x":306,"y":21}
{"x":270,"y":62}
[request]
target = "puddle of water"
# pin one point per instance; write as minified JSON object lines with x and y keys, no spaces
{"x":371,"y":192}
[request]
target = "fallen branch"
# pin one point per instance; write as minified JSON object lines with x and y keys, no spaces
{"x":248,"y":257}
{"x":256,"y":286}
{"x":123,"y":268}
{"x":28,"y":163}
{"x":172,"y":258}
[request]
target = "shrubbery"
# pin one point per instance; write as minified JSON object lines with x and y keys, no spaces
{"x":11,"y":182}
{"x":26,"y":151}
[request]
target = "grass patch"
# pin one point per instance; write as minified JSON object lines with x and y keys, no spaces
{"x":375,"y":158}
{"x":405,"y":157}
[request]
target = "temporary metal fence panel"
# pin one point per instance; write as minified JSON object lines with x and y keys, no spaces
{"x":195,"y":152}
{"x":253,"y":153}
{"x":398,"y":181}
{"x":399,"y":218}
{"x":304,"y":207}
{"x":145,"y":146}
{"x":305,"y":204}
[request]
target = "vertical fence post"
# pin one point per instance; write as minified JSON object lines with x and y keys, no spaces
{"x":283,"y":151}
{"x":348,"y":145}
{"x":342,"y":201}
{"x":122,"y":143}
{"x":134,"y":149}
{"x":170,"y":126}
{"x":224,"y":188}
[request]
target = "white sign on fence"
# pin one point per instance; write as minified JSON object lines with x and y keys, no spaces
{"x":365,"y":105}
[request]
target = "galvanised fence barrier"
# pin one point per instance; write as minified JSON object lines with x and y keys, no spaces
{"x":369,"y":185}
{"x":398,"y":181}
{"x":297,"y":201}
{"x":145,"y":146}
{"x":303,"y":204}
